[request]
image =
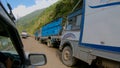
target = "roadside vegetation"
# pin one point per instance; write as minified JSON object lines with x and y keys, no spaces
{"x":33,"y":22}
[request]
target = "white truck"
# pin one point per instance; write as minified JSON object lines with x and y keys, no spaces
{"x":92,"y":34}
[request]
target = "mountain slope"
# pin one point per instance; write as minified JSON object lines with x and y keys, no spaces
{"x":60,"y":9}
{"x":27,"y":21}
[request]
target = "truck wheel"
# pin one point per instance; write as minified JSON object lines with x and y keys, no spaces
{"x":97,"y":63}
{"x":67,"y":57}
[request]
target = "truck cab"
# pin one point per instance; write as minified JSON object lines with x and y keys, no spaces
{"x":70,"y":37}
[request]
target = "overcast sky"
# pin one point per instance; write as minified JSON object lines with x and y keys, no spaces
{"x":24,"y":7}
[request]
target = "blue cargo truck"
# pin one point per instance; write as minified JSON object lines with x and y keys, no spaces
{"x":92,"y":35}
{"x":51,"y":33}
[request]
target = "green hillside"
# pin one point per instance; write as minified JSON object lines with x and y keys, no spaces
{"x":27,"y":21}
{"x":60,"y":9}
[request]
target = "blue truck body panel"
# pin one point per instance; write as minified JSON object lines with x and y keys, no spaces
{"x":53,"y":28}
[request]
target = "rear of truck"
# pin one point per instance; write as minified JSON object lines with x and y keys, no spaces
{"x":52,"y":32}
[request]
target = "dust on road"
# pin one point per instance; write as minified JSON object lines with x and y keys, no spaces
{"x":33,"y":46}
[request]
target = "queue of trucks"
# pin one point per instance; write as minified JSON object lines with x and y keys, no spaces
{"x":90,"y":35}
{"x":52,"y":31}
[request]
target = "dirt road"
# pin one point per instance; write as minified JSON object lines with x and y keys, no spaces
{"x":53,"y":61}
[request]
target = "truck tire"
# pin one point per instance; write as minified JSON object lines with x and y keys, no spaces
{"x":67,"y":57}
{"x":97,"y":63}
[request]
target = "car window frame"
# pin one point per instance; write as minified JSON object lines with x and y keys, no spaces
{"x":12,"y":32}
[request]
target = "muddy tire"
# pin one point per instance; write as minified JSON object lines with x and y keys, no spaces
{"x":67,"y":57}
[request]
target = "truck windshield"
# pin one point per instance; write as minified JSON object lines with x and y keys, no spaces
{"x":74,"y":23}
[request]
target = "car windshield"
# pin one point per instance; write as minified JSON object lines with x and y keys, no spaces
{"x":6,"y":45}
